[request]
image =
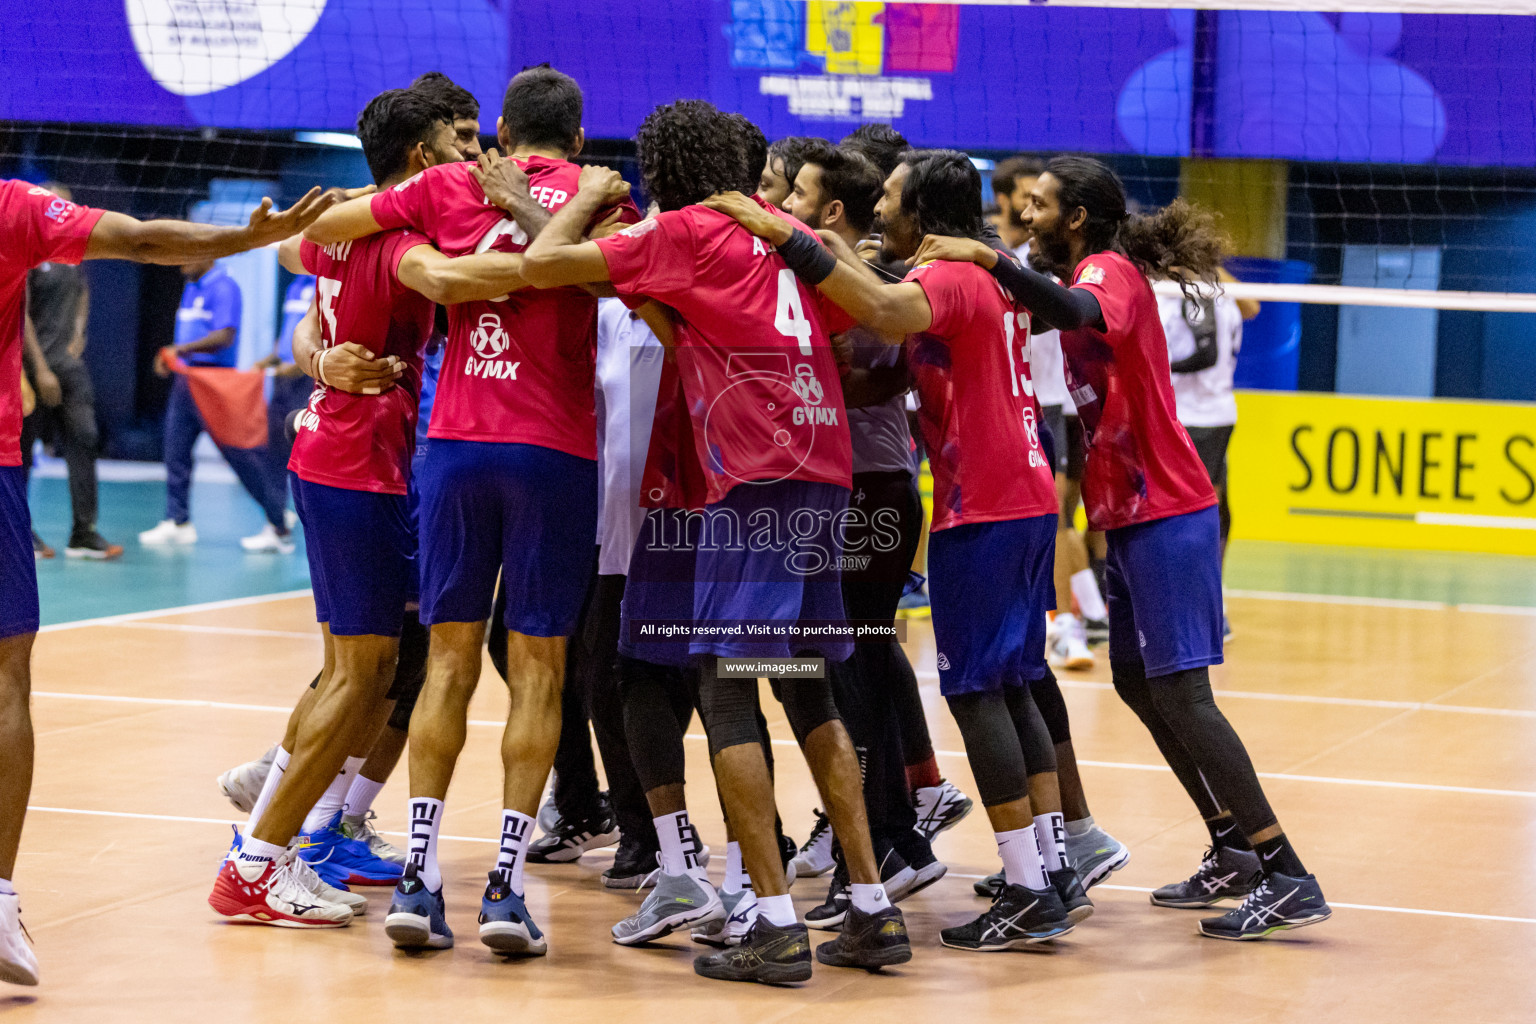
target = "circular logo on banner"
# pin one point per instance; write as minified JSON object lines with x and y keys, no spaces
{"x":195,"y":47}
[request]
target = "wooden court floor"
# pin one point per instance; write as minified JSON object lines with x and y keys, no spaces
{"x":1399,"y":745}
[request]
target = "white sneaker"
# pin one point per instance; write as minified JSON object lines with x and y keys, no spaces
{"x":18,"y":964}
{"x":241,"y":785}
{"x":740,"y":915}
{"x":939,"y":808}
{"x":272,"y":892}
{"x":549,"y":815}
{"x":169,"y":532}
{"x":290,"y":519}
{"x":815,"y":857}
{"x":362,"y":828}
{"x":1067,"y":643}
{"x":319,"y":888}
{"x":268,"y":540}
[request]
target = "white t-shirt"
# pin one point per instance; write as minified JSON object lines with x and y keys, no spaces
{"x":629,"y":361}
{"x":1046,"y":368}
{"x":1204,"y":398}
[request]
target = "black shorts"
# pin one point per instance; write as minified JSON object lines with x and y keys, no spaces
{"x":1211,"y":445}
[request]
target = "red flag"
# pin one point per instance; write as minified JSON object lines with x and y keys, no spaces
{"x":230,"y":401}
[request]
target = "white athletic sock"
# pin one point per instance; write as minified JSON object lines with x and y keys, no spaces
{"x":869,"y":899}
{"x":255,"y":849}
{"x":330,"y":802}
{"x":1085,"y":590}
{"x":735,"y":877}
{"x":279,"y":766}
{"x":777,"y":910}
{"x":516,"y":834}
{"x":6,"y":888}
{"x":360,"y":797}
{"x":679,"y":845}
{"x":1021,"y":857}
{"x":426,"y":817}
{"x":1080,"y":827}
{"x":1051,"y":832}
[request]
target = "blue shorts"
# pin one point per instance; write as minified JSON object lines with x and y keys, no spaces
{"x":990,"y":585}
{"x":528,"y":511}
{"x":362,"y":557}
{"x":659,"y":588}
{"x":1164,"y":583}
{"x":18,"y":566}
{"x":770,"y":555}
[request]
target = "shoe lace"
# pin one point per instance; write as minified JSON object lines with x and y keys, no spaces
{"x":1258,"y":895}
{"x":1208,"y":862}
{"x":823,"y":823}
{"x":287,"y":881}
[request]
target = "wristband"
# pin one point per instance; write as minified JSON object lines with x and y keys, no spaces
{"x":811,"y":261}
{"x":320,"y":366}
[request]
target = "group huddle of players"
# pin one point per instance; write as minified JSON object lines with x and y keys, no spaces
{"x":695,"y":420}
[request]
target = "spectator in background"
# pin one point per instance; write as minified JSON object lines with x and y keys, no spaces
{"x":207,"y":334}
{"x":58,"y":305}
{"x":290,"y":387}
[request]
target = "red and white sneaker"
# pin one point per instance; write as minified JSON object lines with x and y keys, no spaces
{"x":271,"y":892}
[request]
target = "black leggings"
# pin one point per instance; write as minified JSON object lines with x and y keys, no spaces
{"x":1006,"y":741}
{"x":1047,"y":693}
{"x":1197,"y":741}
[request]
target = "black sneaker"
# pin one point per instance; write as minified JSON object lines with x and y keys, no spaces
{"x":90,"y":544}
{"x":990,"y":886}
{"x":870,"y":941}
{"x":770,"y":954}
{"x":1097,"y":629}
{"x":570,"y":839}
{"x":632,"y":864}
{"x":915,"y":850}
{"x":40,"y":549}
{"x":829,"y":916}
{"x":787,"y":853}
{"x":1279,"y":902}
{"x":1073,"y":896}
{"x":1019,"y":917}
{"x":1224,"y":874}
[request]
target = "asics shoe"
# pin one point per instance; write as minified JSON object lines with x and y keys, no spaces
{"x":815,"y":857}
{"x":1096,"y":854}
{"x":677,"y":900}
{"x":767,"y":953}
{"x":739,"y":911}
{"x":568,"y":840}
{"x":1073,"y":896}
{"x":939,"y":808}
{"x":1279,"y":902}
{"x":342,"y":860}
{"x":634,"y":862}
{"x":18,"y":964}
{"x":505,"y":924}
{"x":271,"y":892}
{"x":870,"y":941}
{"x":416,"y":918}
{"x":361,"y":828}
{"x":1224,"y":874}
{"x":241,"y":785}
{"x":1019,"y":917}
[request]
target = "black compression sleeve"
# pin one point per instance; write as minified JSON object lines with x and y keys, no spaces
{"x":1064,"y":308}
{"x":811,"y":261}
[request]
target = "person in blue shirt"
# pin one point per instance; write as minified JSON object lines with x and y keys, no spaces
{"x":290,"y":387}
{"x":207,"y":332}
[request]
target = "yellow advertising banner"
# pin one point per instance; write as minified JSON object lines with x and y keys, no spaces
{"x":1384,"y":472}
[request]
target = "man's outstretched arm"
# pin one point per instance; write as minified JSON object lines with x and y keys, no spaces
{"x":118,"y":236}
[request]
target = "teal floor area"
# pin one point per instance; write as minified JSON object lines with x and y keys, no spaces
{"x":216,"y":568}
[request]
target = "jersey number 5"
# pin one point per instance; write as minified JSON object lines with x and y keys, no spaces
{"x":327,"y":290}
{"x":789,"y":318}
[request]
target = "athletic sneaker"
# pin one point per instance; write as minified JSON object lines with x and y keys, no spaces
{"x":634,"y":862}
{"x":787,"y":854}
{"x":989,"y":887}
{"x":739,"y":911}
{"x":548,"y":814}
{"x":815,"y":857}
{"x":1224,"y":874}
{"x":271,"y":892}
{"x":899,"y":879}
{"x":360,"y":827}
{"x":92,"y":545}
{"x":317,"y":886}
{"x":241,"y":785}
{"x":416,"y":919}
{"x":505,"y":924}
{"x":168,"y":532}
{"x":939,"y":808}
{"x":768,"y":954}
{"x":1066,"y":643}
{"x":41,"y":551}
{"x":1279,"y":902}
{"x":677,"y":900}
{"x":1019,"y":917}
{"x":870,"y":941}
{"x":1096,"y":854}
{"x":18,"y":964}
{"x":268,"y":539}
{"x":340,"y":859}
{"x":568,"y":840}
{"x":1073,"y":896}
{"x":1096,"y":630}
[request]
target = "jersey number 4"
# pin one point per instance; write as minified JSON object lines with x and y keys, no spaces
{"x":789,"y":317}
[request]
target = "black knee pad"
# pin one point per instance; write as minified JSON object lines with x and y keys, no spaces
{"x":991,"y":746}
{"x":729,"y":709}
{"x":807,"y":704}
{"x":1047,"y":694}
{"x":653,"y":728}
{"x":410,"y":671}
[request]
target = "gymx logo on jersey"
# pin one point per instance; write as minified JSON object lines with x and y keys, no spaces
{"x":491,"y":342}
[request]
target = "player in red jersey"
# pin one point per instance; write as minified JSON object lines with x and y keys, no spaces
{"x":994,"y":519}
{"x":509,"y":483}
{"x":1144,"y":485}
{"x":771,"y":438}
{"x":37,"y":226}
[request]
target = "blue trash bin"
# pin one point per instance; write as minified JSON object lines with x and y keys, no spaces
{"x":1271,"y":355}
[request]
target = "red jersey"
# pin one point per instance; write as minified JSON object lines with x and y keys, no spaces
{"x":364,"y":442}
{"x":521,"y":370}
{"x":36,"y":226}
{"x":977,"y":409}
{"x":764,"y":397}
{"x":1140,"y":465}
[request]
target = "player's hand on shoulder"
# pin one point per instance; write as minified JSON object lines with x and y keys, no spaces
{"x":267,"y":227}
{"x":504,"y":183}
{"x":354,"y":369}
{"x":740,"y":208}
{"x":954,"y":250}
{"x":612,"y":224}
{"x":607,"y":182}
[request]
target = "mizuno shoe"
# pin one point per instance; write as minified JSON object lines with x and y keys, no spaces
{"x":739,"y":913}
{"x":270,"y":892}
{"x":676,"y":901}
{"x":1096,"y":854}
